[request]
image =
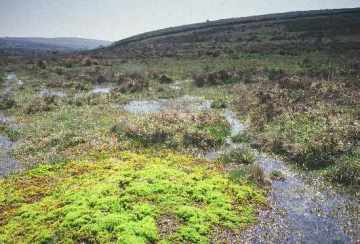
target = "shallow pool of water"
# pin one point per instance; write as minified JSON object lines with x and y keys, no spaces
{"x":7,"y":164}
{"x":182,"y":104}
{"x":11,"y":77}
{"x":49,"y":92}
{"x":10,"y":80}
{"x":101,"y":90}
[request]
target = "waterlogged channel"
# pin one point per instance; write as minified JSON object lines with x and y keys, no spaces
{"x":61,"y":93}
{"x":302,"y":210}
{"x":8,"y":165}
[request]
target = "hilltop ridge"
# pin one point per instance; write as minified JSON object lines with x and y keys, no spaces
{"x":277,"y":33}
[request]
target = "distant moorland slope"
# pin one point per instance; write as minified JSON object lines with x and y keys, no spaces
{"x":33,"y":45}
{"x":285,"y":33}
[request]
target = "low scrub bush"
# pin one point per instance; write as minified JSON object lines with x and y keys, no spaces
{"x":217,"y":78}
{"x":347,"y":169}
{"x":42,"y":64}
{"x":311,"y":140}
{"x":11,"y":132}
{"x":238,"y":156}
{"x":132,"y":86}
{"x":6,"y":102}
{"x":241,"y":138}
{"x":40,"y":104}
{"x":56,"y":83}
{"x":1,"y":79}
{"x":130,"y":83}
{"x":218,"y":104}
{"x":275,"y":74}
{"x":239,"y":174}
{"x":66,"y":140}
{"x":164,"y":79}
{"x":257,"y":174}
{"x":82,"y":99}
{"x":277,"y":175}
{"x":202,"y":130}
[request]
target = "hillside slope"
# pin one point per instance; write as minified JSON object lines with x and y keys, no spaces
{"x":31,"y":45}
{"x":286,"y":33}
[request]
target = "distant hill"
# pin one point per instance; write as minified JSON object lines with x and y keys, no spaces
{"x":285,"y":33}
{"x":31,"y":45}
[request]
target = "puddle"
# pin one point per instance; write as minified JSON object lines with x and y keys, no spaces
{"x":7,"y":164}
{"x":175,"y":87}
{"x":101,"y":90}
{"x":11,"y":77}
{"x":3,"y":119}
{"x":183,"y":104}
{"x":140,"y":107}
{"x":47,"y":92}
{"x":10,"y":80}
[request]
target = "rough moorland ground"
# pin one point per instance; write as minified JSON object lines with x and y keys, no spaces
{"x":302,"y":107}
{"x":300,"y":103}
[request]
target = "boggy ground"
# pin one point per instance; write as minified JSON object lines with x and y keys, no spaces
{"x":97,"y":173}
{"x":303,"y":108}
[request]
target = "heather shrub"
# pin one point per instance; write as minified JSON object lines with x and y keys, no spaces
{"x":347,"y":169}
{"x":6,"y":102}
{"x":175,"y":130}
{"x":164,"y":79}
{"x":218,"y":104}
{"x":238,"y":156}
{"x":40,"y":104}
{"x":217,"y":78}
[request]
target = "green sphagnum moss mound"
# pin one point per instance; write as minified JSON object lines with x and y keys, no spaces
{"x":121,"y":199}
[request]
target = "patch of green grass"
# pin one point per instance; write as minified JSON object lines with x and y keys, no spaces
{"x":219,"y":131}
{"x":277,"y":175}
{"x":311,"y":140}
{"x":64,"y":133}
{"x":347,"y":169}
{"x":1,"y":78}
{"x":238,"y":156}
{"x":239,"y":174}
{"x":11,"y":132}
{"x":121,"y":199}
{"x":218,"y":104}
{"x":241,"y":138}
{"x":6,"y":102}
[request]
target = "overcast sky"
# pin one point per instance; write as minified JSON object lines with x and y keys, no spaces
{"x":117,"y":19}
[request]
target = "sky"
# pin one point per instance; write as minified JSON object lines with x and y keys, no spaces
{"x":117,"y":19}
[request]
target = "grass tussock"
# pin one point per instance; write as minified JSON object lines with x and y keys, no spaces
{"x":238,"y":156}
{"x":6,"y":102}
{"x":175,"y":130}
